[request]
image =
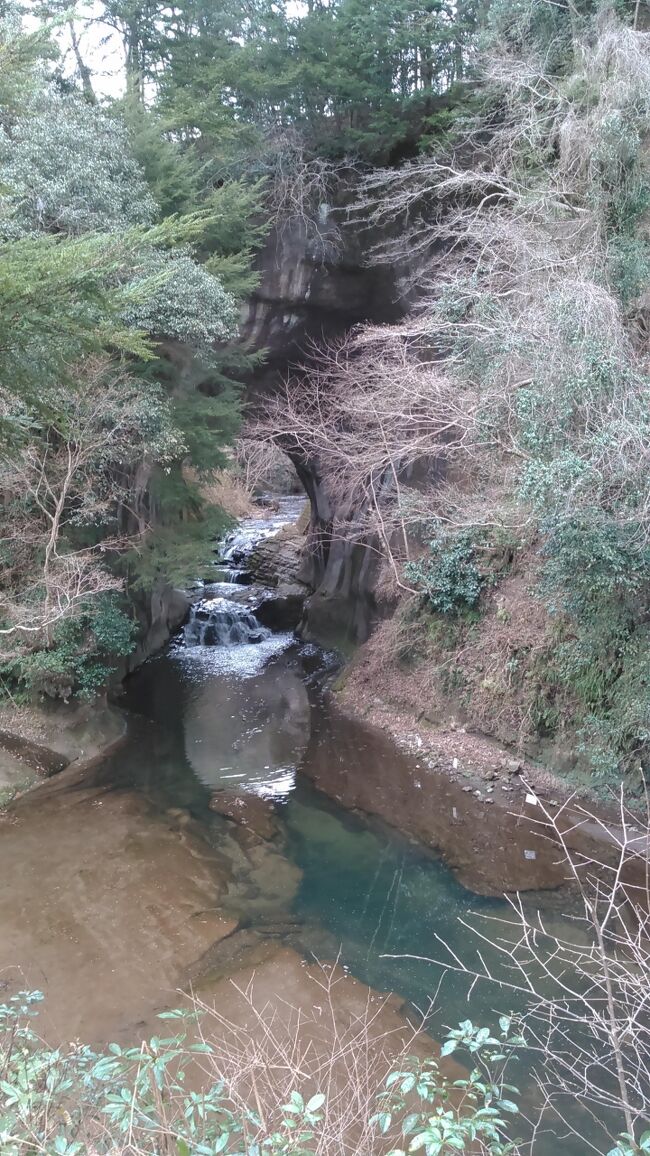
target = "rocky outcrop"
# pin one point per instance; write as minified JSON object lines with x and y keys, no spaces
{"x":161,"y":612}
{"x":278,"y":561}
{"x":39,"y":741}
{"x":277,"y":564}
{"x":314,"y":288}
{"x":314,"y":284}
{"x":342,"y":574}
{"x":283,"y":609}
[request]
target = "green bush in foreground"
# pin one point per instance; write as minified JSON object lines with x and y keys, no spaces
{"x":74,"y":1101}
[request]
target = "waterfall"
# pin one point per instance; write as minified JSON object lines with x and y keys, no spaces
{"x":220,"y":622}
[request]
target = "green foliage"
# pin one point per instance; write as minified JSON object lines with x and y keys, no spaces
{"x":183,"y":301}
{"x":209,"y":422}
{"x":21,"y":55}
{"x":437,"y":1116}
{"x":596,"y":572}
{"x":88,"y":279}
{"x":627,"y":1146}
{"x":629,"y":263}
{"x":53,"y":1100}
{"x":451,"y":577}
{"x":592,"y":559}
{"x":171,"y":172}
{"x":80,"y":657}
{"x":179,"y":547}
{"x":67,"y":168}
{"x":237,"y":228}
{"x":58,"y":304}
{"x":350,"y":78}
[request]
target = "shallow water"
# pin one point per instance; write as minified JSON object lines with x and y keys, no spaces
{"x":247,"y":720}
{"x":128,"y":878}
{"x":359,"y":891}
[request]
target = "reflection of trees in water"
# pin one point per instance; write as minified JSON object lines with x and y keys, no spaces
{"x":249,"y":733}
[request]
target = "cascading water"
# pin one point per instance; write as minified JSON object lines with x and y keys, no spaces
{"x":221,"y":622}
{"x":226,"y":617}
{"x":238,"y":544}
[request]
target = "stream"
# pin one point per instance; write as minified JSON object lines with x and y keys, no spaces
{"x":234,"y":820}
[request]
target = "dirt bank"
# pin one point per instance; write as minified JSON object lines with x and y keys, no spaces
{"x":456,"y":793}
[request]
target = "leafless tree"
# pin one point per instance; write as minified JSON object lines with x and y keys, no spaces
{"x":62,"y":491}
{"x":300,"y":191}
{"x":511,"y":289}
{"x":582,"y":978}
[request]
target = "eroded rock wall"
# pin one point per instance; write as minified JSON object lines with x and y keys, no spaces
{"x":315,"y":286}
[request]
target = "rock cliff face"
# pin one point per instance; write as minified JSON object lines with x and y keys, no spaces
{"x":314,"y":287}
{"x":314,"y":284}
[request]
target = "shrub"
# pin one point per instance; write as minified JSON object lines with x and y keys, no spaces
{"x":81,"y":656}
{"x":74,"y":1101}
{"x":450,"y":578}
{"x":68,"y":168}
{"x":188,"y":304}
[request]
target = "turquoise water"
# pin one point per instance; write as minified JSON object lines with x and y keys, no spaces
{"x":366,"y":891}
{"x":253,"y":717}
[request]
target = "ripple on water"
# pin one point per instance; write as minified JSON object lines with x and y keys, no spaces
{"x":199,"y":663}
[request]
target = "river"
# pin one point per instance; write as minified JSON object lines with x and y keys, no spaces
{"x":234,"y":820}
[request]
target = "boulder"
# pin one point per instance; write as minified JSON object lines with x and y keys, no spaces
{"x":247,"y":810}
{"x":277,"y":560}
{"x":282,"y":609}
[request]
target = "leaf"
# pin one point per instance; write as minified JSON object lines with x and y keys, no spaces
{"x":182,"y":1148}
{"x":411,"y":1122}
{"x":508,"y":1106}
{"x":448,"y":1048}
{"x":316,"y":1102}
{"x":418,"y":1141}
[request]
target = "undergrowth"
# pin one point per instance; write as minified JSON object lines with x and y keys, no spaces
{"x":180,"y":1094}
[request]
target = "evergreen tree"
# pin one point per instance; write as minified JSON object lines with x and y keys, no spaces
{"x":86,"y":272}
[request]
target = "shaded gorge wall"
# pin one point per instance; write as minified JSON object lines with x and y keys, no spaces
{"x":315,"y":285}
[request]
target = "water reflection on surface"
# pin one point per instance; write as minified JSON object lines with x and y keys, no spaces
{"x":365,"y":890}
{"x":129,"y":879}
{"x":248,"y":731}
{"x":244,"y":812}
{"x":355,"y":889}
